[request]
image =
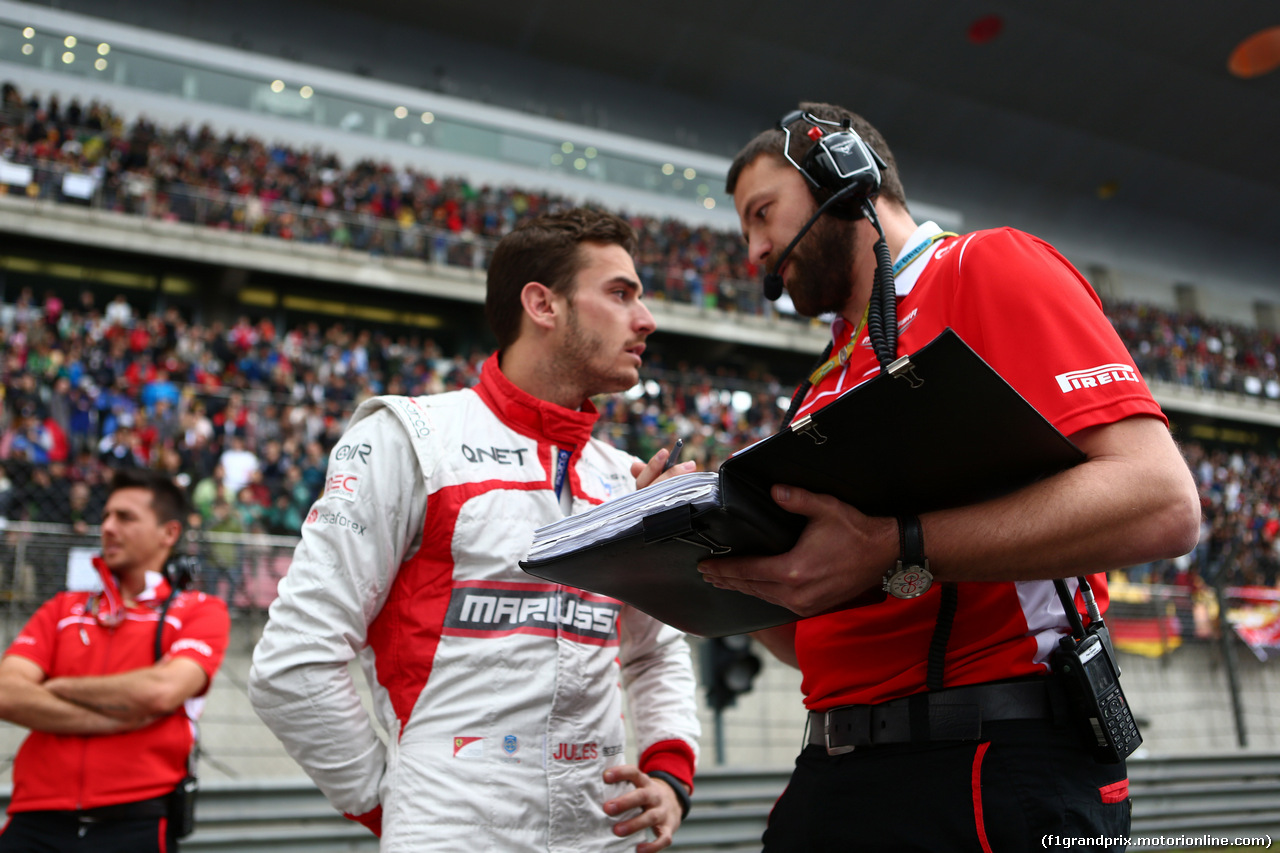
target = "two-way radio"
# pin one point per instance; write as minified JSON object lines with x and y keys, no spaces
{"x":1085,"y":665}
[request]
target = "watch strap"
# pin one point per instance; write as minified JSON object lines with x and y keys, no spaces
{"x":682,"y":796}
{"x":910,"y":541}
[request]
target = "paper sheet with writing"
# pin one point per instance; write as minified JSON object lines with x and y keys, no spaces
{"x":624,"y":515}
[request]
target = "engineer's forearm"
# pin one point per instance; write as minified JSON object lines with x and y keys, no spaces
{"x":34,"y":707}
{"x":126,"y":696}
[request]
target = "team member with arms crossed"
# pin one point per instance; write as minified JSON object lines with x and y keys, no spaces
{"x":112,"y":726}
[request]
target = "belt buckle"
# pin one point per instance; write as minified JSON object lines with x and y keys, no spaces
{"x":826,"y":732}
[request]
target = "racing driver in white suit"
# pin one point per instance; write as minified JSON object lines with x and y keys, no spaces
{"x":501,"y":694}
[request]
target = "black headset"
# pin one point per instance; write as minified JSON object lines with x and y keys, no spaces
{"x":842,"y":171}
{"x":844,"y":174}
{"x":182,"y":571}
{"x":840,"y":163}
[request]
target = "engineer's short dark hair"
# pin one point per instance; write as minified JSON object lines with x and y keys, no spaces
{"x":168,"y":499}
{"x":771,"y":141}
{"x":545,"y":249}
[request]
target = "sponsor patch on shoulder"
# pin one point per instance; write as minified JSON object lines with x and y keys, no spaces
{"x":1094,"y":377}
{"x":337,"y":519}
{"x":468,"y":747}
{"x":353,"y":451}
{"x":342,"y":486}
{"x":195,"y":645}
{"x":413,"y":414}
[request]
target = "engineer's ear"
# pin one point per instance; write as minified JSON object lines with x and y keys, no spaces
{"x":540,"y":303}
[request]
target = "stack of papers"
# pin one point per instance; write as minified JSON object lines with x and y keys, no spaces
{"x":625,"y":515}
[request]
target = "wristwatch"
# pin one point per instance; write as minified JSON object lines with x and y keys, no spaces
{"x":911,"y":576}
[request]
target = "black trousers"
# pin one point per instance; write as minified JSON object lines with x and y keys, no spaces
{"x":57,"y":832}
{"x":1022,"y":784}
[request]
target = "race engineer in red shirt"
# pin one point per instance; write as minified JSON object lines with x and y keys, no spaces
{"x":502,"y":694}
{"x":111,"y":727}
{"x":961,"y":743}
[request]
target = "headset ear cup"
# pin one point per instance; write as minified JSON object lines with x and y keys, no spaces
{"x":837,"y":162}
{"x":817,"y":165}
{"x":818,"y":168}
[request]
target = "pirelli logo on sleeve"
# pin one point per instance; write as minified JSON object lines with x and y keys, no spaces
{"x":496,"y":609}
{"x":1095,"y":377}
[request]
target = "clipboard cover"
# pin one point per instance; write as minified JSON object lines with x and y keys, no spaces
{"x":947,"y":431}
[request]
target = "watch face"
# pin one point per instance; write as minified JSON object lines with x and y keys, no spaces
{"x":910,"y":582}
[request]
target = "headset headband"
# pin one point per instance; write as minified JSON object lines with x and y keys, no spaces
{"x":784,"y":124}
{"x":841,"y":153}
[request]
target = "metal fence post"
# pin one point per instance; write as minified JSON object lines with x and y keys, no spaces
{"x":1229,"y":656}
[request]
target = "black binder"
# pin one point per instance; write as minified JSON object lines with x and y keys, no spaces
{"x":939,"y":429}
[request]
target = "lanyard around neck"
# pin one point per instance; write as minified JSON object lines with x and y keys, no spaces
{"x":562,"y":468}
{"x":914,"y":254}
{"x":841,"y":356}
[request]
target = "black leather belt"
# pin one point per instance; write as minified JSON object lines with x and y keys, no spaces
{"x":956,"y":713}
{"x":139,"y":810}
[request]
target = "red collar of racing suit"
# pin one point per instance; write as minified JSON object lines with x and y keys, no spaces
{"x":527,"y":414}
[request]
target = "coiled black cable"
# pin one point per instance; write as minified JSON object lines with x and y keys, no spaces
{"x":887,"y":348}
{"x":882,"y":310}
{"x":941,"y":636}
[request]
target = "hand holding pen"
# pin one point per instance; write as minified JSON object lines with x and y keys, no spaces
{"x":647,"y":475}
{"x":674,"y":456}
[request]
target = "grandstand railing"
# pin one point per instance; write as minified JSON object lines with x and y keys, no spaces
{"x":1191,"y":797}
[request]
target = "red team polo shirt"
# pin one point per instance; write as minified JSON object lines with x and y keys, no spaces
{"x":66,"y":772}
{"x":1034,"y":319}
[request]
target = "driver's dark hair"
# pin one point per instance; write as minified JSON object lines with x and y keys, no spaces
{"x":545,"y":249}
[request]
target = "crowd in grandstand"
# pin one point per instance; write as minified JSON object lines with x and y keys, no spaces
{"x":1189,"y":349}
{"x":242,"y":183}
{"x":246,"y":414}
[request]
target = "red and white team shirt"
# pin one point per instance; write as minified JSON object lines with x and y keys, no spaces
{"x":1034,"y":319}
{"x":63,"y":638}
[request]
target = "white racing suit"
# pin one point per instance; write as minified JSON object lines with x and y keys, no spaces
{"x":502,"y":694}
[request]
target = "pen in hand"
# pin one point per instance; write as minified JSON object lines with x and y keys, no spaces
{"x":675,"y":455}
